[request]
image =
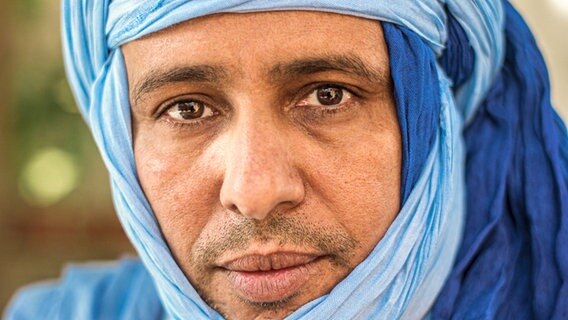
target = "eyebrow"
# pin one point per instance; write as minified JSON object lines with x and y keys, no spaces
{"x":350,"y":64}
{"x":281,"y":72}
{"x":159,"y":78}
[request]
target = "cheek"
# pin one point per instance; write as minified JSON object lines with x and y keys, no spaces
{"x":376,"y":180}
{"x":360,"y":181}
{"x":179,"y":183}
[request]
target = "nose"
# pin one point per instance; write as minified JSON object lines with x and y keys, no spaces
{"x":259,"y":174}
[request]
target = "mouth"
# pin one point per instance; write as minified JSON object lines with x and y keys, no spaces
{"x":269,"y":278}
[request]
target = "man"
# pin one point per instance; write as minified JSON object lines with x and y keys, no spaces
{"x":256,"y":162}
{"x":278,"y":162}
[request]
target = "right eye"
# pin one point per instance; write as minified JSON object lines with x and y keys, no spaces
{"x":189,"y":111}
{"x":328,"y":96}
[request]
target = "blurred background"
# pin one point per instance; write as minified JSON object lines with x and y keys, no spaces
{"x":55,"y":204}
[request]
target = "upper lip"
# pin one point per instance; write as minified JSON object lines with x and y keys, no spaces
{"x":273,"y":261}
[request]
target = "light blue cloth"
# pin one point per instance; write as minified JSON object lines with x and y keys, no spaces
{"x":408,"y":267}
{"x":109,"y":290}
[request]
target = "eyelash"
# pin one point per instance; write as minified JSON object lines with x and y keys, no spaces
{"x":193,"y":123}
{"x":329,"y":110}
{"x":314,"y":110}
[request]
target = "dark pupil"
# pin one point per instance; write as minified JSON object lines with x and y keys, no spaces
{"x":329,"y":95}
{"x":191,"y":110}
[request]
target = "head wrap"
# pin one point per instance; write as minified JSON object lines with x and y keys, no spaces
{"x":458,"y":96}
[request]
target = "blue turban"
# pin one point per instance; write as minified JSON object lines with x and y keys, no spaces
{"x":484,"y":222}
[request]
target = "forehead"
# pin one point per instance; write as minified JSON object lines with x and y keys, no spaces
{"x":256,"y":41}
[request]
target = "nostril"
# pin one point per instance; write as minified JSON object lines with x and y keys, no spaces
{"x":234,"y":209}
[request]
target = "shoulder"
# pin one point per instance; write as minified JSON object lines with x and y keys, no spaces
{"x":117,"y":290}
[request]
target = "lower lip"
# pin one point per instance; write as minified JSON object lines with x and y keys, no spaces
{"x":270,"y":286}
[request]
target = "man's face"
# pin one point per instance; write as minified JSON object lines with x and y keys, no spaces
{"x":269,"y":149}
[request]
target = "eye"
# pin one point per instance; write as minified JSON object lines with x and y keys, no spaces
{"x":327,"y":95}
{"x":189,"y":110}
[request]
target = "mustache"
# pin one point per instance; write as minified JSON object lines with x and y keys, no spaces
{"x":336,"y":243}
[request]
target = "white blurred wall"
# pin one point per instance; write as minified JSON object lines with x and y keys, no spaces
{"x":549,"y":21}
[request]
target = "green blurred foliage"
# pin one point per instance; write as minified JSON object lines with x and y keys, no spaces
{"x":28,"y":9}
{"x":43,"y":111}
{"x":38,"y":114}
{"x":42,"y":118}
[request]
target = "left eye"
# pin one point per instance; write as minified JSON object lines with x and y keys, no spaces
{"x":328,"y":95}
{"x":189,"y":110}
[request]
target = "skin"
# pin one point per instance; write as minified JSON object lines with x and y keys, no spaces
{"x":267,"y":172}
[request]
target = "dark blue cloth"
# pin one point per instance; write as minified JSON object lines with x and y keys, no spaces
{"x":513,"y":261}
{"x":415,"y":88}
{"x":458,"y":58}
